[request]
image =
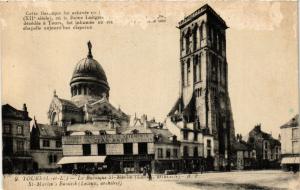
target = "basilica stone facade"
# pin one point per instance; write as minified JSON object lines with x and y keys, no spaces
{"x":89,"y":102}
{"x":204,"y":105}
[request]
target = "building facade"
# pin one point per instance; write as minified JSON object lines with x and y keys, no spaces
{"x":167,"y":151}
{"x":113,"y":153}
{"x":204,"y":103}
{"x":46,"y":146}
{"x":267,"y":148}
{"x":290,"y":144}
{"x":196,"y":149}
{"x":15,"y":138}
{"x":243,"y":154}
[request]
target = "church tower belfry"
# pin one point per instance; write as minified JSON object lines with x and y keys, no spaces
{"x":204,"y":79}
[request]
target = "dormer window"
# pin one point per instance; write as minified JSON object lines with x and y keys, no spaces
{"x":185,"y":135}
{"x":157,"y":137}
{"x":135,"y":131}
{"x":174,"y":138}
{"x":19,"y":130}
{"x":7,"y":129}
{"x":88,"y":133}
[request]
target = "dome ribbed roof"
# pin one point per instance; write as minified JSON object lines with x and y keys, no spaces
{"x":89,"y":69}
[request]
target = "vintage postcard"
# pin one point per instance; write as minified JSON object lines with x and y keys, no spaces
{"x":150,"y":95}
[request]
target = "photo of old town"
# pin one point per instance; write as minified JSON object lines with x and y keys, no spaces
{"x":86,"y":133}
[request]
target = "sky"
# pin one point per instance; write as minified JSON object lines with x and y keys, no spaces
{"x":141,"y":60}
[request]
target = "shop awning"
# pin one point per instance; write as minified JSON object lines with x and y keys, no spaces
{"x":81,"y":159}
{"x":291,"y":160}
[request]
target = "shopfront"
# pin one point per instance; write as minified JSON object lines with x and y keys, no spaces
{"x":111,"y":153}
{"x":129,"y":163}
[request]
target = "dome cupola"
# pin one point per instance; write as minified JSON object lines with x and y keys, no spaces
{"x":89,"y":82}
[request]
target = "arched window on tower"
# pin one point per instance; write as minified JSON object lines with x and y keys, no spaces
{"x":182,"y":42}
{"x":201,"y":33}
{"x":195,"y":38}
{"x":198,"y":40}
{"x":214,"y":68}
{"x":188,"y":67}
{"x":187,"y":42}
{"x":183,"y":75}
{"x":197,"y":74}
{"x":201,"y":61}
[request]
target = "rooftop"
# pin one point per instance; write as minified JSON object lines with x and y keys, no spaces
{"x":202,"y":10}
{"x":294,"y":122}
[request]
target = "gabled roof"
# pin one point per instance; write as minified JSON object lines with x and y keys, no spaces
{"x":68,"y":104}
{"x":241,"y":145}
{"x":164,"y":135}
{"x":10,"y":112}
{"x":139,"y":129}
{"x":105,"y":101}
{"x":190,"y":109}
{"x":257,"y":132}
{"x":294,"y":122}
{"x":176,"y":106}
{"x":202,"y":10}
{"x":48,"y":131}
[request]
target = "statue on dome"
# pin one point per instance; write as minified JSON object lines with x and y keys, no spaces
{"x":89,"y":44}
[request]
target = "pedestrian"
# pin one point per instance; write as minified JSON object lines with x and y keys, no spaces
{"x":149,"y":172}
{"x":201,"y":168}
{"x":144,"y":171}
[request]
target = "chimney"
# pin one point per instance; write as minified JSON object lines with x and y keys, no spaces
{"x":54,"y":94}
{"x":174,"y":138}
{"x":258,"y":127}
{"x":24,"y":107}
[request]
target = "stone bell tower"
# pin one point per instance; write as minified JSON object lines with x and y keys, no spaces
{"x":204,"y":79}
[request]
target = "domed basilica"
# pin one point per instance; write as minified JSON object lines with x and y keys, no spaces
{"x":89,"y":102}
